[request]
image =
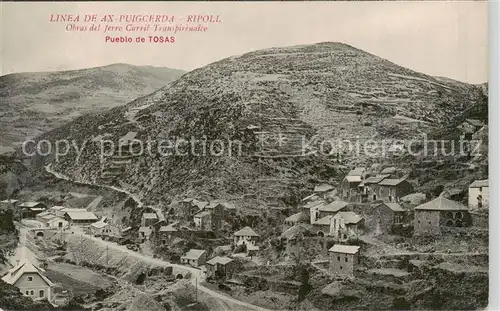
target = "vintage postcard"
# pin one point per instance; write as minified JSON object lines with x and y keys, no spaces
{"x":244,"y":156}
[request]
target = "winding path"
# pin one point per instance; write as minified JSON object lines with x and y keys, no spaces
{"x":199,"y":277}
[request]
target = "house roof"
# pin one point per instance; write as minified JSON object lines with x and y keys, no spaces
{"x":213,"y":204}
{"x":323,"y":188}
{"x":295,"y":217}
{"x":200,"y":204}
{"x":149,"y":216}
{"x":374,"y":179}
{"x":312,"y":197}
{"x":222,"y":260}
{"x":76,"y":210}
{"x":99,"y":224}
{"x":29,"y":204}
{"x":313,"y":204}
{"x":37,"y":209}
{"x":57,"y":208}
{"x":353,"y":179}
{"x":479,"y":183}
{"x":203,"y":214}
{"x":391,"y":182}
{"x":323,"y":221}
{"x":82,"y":215}
{"x":358,"y":171}
{"x":395,"y":207}
{"x":126,"y":229}
{"x":186,"y":200}
{"x":43,"y":214}
{"x":247,"y":231}
{"x":194,"y":254}
{"x":168,"y":228}
{"x":334,"y":207}
{"x":346,"y":249}
{"x":441,"y":203}
{"x":474,"y":122}
{"x":23,"y":267}
{"x":388,"y":170}
{"x":48,"y":217}
{"x":9,"y":201}
{"x":349,"y":217}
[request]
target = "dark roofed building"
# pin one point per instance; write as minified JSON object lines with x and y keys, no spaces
{"x":391,"y":190}
{"x":385,"y":216}
{"x":440,"y":212}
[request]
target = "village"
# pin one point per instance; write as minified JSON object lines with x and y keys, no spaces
{"x":205,"y":236}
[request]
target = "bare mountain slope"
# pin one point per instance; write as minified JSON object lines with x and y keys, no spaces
{"x":33,"y":103}
{"x":330,"y":90}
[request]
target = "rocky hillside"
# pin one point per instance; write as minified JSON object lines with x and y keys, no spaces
{"x":34,"y":103}
{"x":284,"y":95}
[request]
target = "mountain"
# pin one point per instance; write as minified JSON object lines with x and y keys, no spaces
{"x":34,"y":103}
{"x":287,"y":95}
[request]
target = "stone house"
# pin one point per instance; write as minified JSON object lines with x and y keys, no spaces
{"x":216,"y":210}
{"x":344,"y":260}
{"x":391,"y":190}
{"x":346,"y":225}
{"x":312,"y":209}
{"x":440,"y":212}
{"x":349,"y":185}
{"x":194,"y":257}
{"x":386,"y":216}
{"x":332,"y":208}
{"x":148,"y":219}
{"x":322,"y":226}
{"x":479,"y":195}
{"x":246,"y":236}
{"x":30,"y":280}
{"x":203,"y":221}
{"x":102,"y":228}
{"x":322,"y":190}
{"x":220,"y":267}
{"x":368,"y":187}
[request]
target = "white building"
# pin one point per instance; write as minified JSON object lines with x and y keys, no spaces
{"x":345,"y":225}
{"x":246,"y":236}
{"x":30,"y":281}
{"x":478,"y":194}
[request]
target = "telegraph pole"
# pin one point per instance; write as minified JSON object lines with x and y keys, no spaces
{"x":196,"y":292}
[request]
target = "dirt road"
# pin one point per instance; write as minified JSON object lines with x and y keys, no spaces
{"x":197,"y":276}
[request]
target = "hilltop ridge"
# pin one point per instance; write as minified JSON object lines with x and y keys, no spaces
{"x":325,"y":90}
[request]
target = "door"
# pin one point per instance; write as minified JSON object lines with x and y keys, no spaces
{"x":41,"y":293}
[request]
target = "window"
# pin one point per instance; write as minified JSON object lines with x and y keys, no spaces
{"x":41,"y":293}
{"x":27,"y":292}
{"x":30,"y":278}
{"x":346,"y":260}
{"x":32,"y":293}
{"x":340,"y":267}
{"x":338,"y":258}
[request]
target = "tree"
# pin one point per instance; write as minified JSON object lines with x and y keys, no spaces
{"x":305,"y":288}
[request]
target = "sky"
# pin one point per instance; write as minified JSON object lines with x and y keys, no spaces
{"x":448,"y":38}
